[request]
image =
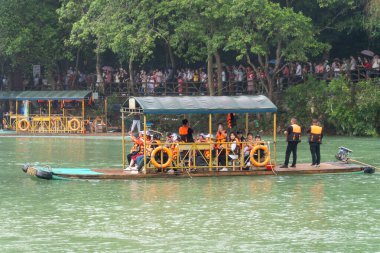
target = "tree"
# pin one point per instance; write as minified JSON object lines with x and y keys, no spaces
{"x":29,"y":34}
{"x":130,"y":26}
{"x":86,"y":21}
{"x":200,"y":32}
{"x":268,"y":31}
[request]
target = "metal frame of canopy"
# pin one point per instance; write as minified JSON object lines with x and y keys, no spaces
{"x":197,"y":105}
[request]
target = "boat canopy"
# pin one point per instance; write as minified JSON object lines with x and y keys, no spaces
{"x":198,"y":105}
{"x":45,"y":95}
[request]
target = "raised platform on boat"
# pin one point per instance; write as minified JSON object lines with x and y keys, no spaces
{"x":98,"y":174}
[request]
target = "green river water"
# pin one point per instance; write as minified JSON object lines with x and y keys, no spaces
{"x":311,"y":213}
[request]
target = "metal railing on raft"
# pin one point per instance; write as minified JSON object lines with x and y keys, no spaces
{"x":208,"y":156}
{"x":50,"y":124}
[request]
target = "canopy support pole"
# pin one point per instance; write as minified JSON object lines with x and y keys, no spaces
{"x":49,"y":102}
{"x":83,"y":127}
{"x":274,"y":137}
{"x":106,"y":112}
{"x":122,"y":139}
{"x":246,"y":124}
{"x":210,"y":139}
{"x":145,"y":145}
{"x":16,"y":116}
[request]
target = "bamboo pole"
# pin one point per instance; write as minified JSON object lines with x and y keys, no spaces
{"x":122,"y":139}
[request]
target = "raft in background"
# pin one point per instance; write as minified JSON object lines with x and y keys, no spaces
{"x":45,"y":172}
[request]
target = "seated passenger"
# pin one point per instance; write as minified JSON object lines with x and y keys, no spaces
{"x":248,"y":147}
{"x":138,"y":142}
{"x":148,"y":149}
{"x":233,"y":147}
{"x":154,"y":144}
{"x":260,"y":153}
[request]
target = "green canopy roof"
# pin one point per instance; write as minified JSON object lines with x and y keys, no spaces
{"x":45,"y":95}
{"x":199,"y":104}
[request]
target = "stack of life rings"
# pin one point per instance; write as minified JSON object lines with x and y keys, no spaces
{"x":257,"y":163}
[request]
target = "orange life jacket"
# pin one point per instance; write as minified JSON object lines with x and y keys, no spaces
{"x":183,"y":132}
{"x":315,"y":134}
{"x":295,"y":135}
{"x":220,"y":138}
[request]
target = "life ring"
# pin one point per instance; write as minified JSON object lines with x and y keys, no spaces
{"x":266,"y":152}
{"x":74,"y":124}
{"x":23,"y":125}
{"x":154,"y":161}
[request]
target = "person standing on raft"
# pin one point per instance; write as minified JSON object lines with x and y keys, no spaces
{"x":293,"y":137}
{"x":186,"y":132}
{"x":136,"y":122}
{"x":315,"y":140}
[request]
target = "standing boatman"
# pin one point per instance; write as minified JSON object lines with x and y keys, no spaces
{"x":315,"y":140}
{"x":293,"y":137}
{"x":136,"y":122}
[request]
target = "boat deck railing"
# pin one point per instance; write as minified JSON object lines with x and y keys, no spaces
{"x":208,"y":156}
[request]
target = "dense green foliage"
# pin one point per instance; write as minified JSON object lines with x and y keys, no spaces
{"x":342,"y":106}
{"x":58,"y":33}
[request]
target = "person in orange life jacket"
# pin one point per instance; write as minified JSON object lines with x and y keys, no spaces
{"x":220,"y":147}
{"x":293,"y":137}
{"x":154,"y":144}
{"x":231,"y":120}
{"x":137,"y":146}
{"x":315,"y":140}
{"x":186,"y":132}
{"x":145,"y":146}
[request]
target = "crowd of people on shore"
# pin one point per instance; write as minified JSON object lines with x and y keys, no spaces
{"x":235,"y":79}
{"x":239,"y":79}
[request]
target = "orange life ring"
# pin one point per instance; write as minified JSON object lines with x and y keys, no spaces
{"x":74,"y":124}
{"x":266,"y":152}
{"x":154,"y":161}
{"x":23,"y":125}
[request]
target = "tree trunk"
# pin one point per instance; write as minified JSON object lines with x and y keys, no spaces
{"x":270,"y":87}
{"x":15,"y":80}
{"x":131,"y":85}
{"x":99,"y":78}
{"x":171,"y":56}
{"x":219,"y":73}
{"x":209,"y":75}
{"x":74,"y":82}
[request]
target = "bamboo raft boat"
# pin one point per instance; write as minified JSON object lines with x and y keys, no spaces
{"x":46,"y":172}
{"x":184,"y":164}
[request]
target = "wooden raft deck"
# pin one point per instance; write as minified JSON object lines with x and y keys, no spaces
{"x":329,"y":167}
